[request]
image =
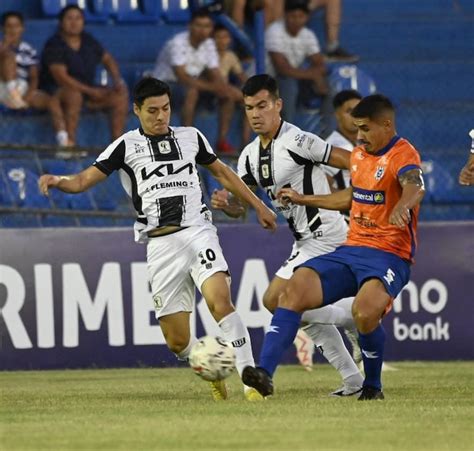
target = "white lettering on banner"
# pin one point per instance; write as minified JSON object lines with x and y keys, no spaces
{"x":77,"y":298}
{"x":10,"y":311}
{"x":82,"y":303}
{"x":417,"y":332}
{"x":144,"y":333}
{"x":44,"y":306}
{"x":254,"y":282}
{"x":437,"y":330}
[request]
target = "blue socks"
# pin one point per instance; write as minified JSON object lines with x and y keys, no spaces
{"x":280,"y":336}
{"x":372,"y":347}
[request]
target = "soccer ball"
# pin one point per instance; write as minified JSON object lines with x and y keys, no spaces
{"x":212,"y":358}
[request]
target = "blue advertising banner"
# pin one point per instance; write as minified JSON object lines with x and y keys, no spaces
{"x":72,"y":298}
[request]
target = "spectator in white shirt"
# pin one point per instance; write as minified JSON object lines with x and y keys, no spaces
{"x":295,"y":58}
{"x":189,"y":63}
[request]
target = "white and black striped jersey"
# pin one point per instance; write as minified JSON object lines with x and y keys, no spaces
{"x":292,"y":160}
{"x":159,"y":173}
{"x":342,"y":177}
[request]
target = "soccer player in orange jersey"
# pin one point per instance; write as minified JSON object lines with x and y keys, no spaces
{"x":374,"y":263}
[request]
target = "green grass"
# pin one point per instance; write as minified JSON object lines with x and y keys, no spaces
{"x":428,"y":406}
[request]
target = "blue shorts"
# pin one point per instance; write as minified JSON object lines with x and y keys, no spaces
{"x":343,"y":271}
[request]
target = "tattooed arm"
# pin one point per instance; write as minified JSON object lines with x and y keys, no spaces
{"x":413,"y":190}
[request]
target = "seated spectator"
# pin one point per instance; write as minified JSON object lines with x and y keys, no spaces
{"x":19,"y":75}
{"x":274,"y":10}
{"x":230,"y":66}
{"x":296,"y":59}
{"x":68,"y":68}
{"x":189,"y":63}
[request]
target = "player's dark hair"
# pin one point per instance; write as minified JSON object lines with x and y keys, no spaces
{"x":343,"y":96}
{"x":200,"y":13}
{"x":372,"y":107}
{"x":149,"y":87}
{"x":68,"y":8}
{"x":258,"y":82}
{"x":7,"y":14}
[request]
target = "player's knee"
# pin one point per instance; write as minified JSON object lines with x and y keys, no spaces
{"x":177,"y":343}
{"x":270,"y":300}
{"x":366,"y":320}
{"x":293,"y":297}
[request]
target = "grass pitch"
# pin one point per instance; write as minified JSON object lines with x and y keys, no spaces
{"x":428,"y":406}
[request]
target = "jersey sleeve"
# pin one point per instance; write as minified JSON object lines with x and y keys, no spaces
{"x":308,"y":146}
{"x":205,"y":153}
{"x":244,"y":170}
{"x":112,"y":158}
{"x":407,"y":158}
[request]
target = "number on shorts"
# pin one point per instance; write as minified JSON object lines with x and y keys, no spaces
{"x":210,"y":255}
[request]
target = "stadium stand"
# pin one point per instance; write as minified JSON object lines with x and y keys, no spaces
{"x":420,"y":54}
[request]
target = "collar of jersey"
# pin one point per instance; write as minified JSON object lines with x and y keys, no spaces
{"x":385,"y":149}
{"x":275,"y":137}
{"x":157,"y":137}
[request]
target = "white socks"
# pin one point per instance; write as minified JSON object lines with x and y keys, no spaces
{"x":329,"y":341}
{"x":234,"y":331}
{"x":338,"y":314}
{"x":184,"y":354}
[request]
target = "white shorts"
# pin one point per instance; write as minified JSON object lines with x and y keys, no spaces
{"x":21,"y":86}
{"x":303,"y":251}
{"x":180,"y":262}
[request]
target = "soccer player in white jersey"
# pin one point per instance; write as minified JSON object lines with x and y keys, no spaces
{"x":157,"y":167}
{"x":285,"y":156}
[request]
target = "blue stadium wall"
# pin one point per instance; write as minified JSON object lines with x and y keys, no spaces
{"x":76,"y":298}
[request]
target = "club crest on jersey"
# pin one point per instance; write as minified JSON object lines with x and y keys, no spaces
{"x":379,"y":172}
{"x":265,"y":171}
{"x":164,"y":147}
{"x":139,"y":148}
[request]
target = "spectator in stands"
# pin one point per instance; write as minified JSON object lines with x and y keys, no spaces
{"x":466,"y":176}
{"x":274,"y":10}
{"x":68,"y":68}
{"x":189,"y":63}
{"x":231,"y":67}
{"x":296,"y":59}
{"x":19,"y":75}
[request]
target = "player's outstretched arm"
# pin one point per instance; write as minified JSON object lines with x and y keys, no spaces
{"x":413,"y":190}
{"x":76,"y":183}
{"x":339,"y":158}
{"x":230,"y":205}
{"x":339,"y":200}
{"x":233,"y":183}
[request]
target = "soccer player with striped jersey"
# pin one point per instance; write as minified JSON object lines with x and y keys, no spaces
{"x":374,"y":263}
{"x":281,"y":156}
{"x":157,"y":167}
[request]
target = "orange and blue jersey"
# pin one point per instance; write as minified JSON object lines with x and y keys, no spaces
{"x":376,"y":191}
